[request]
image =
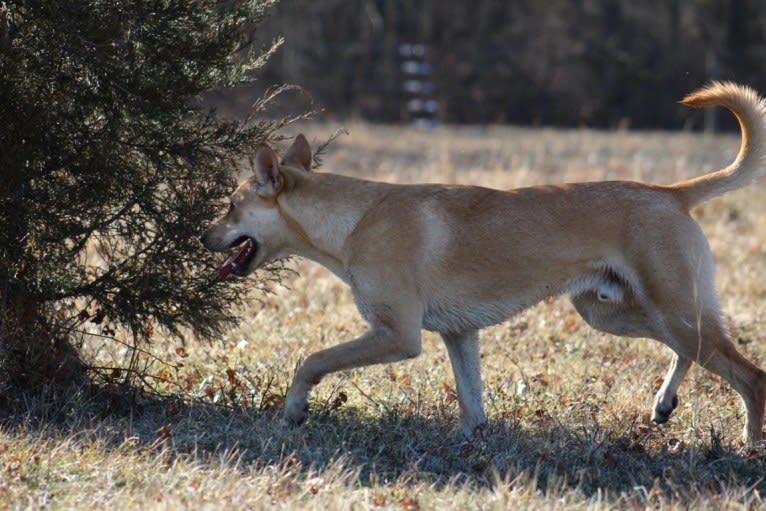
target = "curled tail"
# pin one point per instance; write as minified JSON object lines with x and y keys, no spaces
{"x":750,"y":163}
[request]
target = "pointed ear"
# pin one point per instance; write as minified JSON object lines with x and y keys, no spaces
{"x":268,"y":178}
{"x":299,"y":153}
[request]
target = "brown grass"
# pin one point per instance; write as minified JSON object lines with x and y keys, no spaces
{"x":568,"y":407}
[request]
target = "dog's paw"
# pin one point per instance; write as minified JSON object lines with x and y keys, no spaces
{"x":295,"y":413}
{"x":661,"y":414}
{"x":468,"y":432}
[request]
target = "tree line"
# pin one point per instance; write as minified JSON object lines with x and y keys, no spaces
{"x":601,"y":63}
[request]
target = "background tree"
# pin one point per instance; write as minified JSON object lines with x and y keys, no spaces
{"x":109,"y":168}
{"x":559,"y":62}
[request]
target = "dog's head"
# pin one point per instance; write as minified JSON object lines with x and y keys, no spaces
{"x":253,"y":226}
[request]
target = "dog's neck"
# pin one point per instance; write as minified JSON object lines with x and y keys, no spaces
{"x":308,"y":208}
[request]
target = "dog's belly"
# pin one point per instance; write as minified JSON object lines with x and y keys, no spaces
{"x":461,"y":317}
{"x":459,"y":313}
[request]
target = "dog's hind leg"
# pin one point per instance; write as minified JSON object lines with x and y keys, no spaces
{"x":629,"y":318}
{"x":624,"y":315}
{"x":707,"y":342}
{"x":666,"y":399}
{"x":463,"y":349}
{"x":688,"y":319}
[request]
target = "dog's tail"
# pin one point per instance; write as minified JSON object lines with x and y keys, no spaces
{"x":750,"y":164}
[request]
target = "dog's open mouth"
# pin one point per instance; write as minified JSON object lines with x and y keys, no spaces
{"x":238,"y":263}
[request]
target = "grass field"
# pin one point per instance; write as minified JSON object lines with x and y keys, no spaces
{"x":568,"y":407}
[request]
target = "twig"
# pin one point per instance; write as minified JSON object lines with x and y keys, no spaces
{"x":370,"y":398}
{"x":5,"y":27}
{"x":4,"y":312}
{"x":317,"y":154}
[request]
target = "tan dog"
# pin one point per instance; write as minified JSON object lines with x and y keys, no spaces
{"x":455,"y":259}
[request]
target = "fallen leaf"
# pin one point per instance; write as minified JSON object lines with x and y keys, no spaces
{"x":409,"y":504}
{"x":340,"y":400}
{"x":164,"y":432}
{"x":450,"y":393}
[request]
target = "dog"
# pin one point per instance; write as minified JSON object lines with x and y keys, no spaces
{"x":455,"y":259}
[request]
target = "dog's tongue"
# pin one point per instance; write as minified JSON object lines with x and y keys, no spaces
{"x":235,"y":260}
{"x":226,"y":268}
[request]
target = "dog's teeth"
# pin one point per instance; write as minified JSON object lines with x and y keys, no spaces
{"x":224,"y":270}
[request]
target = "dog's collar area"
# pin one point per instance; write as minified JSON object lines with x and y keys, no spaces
{"x":239,"y":262}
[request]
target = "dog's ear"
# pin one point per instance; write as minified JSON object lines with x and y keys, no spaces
{"x":268,"y":178}
{"x":299,"y":153}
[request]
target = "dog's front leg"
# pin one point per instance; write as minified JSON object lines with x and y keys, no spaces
{"x":379,"y":345}
{"x":464,"y":354}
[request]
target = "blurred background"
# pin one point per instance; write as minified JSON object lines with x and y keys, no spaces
{"x":594,"y":63}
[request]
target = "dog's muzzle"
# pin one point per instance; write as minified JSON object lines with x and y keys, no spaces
{"x":240,"y":261}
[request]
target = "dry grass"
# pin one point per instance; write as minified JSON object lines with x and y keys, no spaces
{"x":568,"y":407}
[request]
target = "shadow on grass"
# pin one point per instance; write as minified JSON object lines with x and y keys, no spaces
{"x":389,"y":446}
